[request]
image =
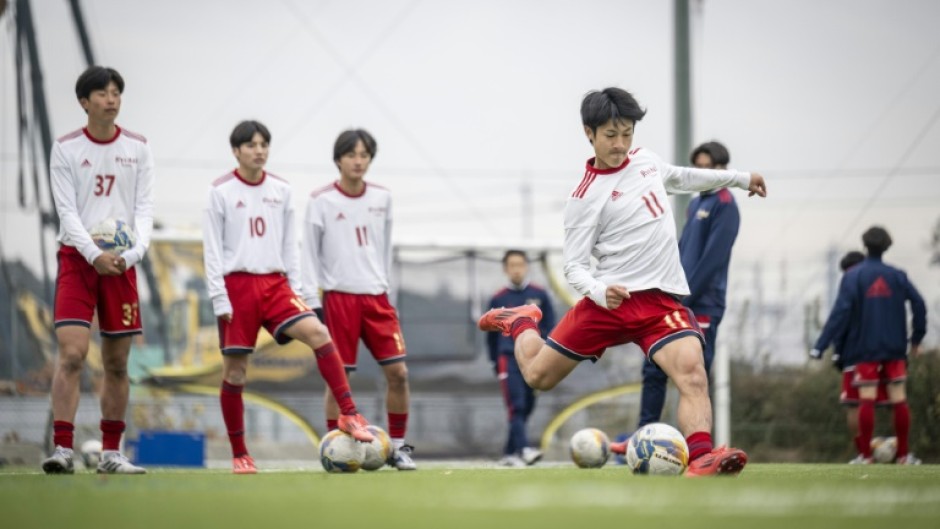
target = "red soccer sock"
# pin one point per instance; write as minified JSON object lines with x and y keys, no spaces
{"x":521,"y":325}
{"x":332,"y":424}
{"x":700,"y":443}
{"x":332,"y":370}
{"x":233,"y":413}
{"x":63,"y":434}
{"x":902,"y":426}
{"x":858,"y":444}
{"x":866,"y":425}
{"x":397,"y":424}
{"x":111,"y":432}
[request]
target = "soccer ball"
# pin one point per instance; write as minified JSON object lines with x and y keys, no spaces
{"x":884,"y":449}
{"x":113,"y":236}
{"x":91,"y":453}
{"x":657,"y":449}
{"x":377,"y":452}
{"x":339,"y":452}
{"x":590,"y":448}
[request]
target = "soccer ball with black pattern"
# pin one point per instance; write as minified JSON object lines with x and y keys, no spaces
{"x":589,"y":448}
{"x":112,"y":235}
{"x":339,"y":452}
{"x":657,"y":449}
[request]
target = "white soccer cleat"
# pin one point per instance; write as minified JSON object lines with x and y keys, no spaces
{"x":60,"y":462}
{"x":401,"y":458}
{"x":114,"y":462}
{"x":909,"y":459}
{"x":531,"y":455}
{"x":511,"y":461}
{"x":861,"y":460}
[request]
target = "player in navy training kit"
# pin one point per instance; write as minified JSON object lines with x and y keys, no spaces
{"x":519,"y":397}
{"x":712,"y":222}
{"x":870,"y":312}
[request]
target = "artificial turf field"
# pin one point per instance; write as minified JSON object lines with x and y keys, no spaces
{"x":457,"y":495}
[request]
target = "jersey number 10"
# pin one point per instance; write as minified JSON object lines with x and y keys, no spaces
{"x":256,"y":226}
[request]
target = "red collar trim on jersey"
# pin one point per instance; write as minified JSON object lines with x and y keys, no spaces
{"x":117,"y":132}
{"x":341,"y":190}
{"x":238,"y":175}
{"x":612,"y":170}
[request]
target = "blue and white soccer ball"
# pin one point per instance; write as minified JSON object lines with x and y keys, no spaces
{"x":589,"y":448}
{"x":114,"y":236}
{"x":376,"y":453}
{"x":657,"y":449}
{"x":339,"y":452}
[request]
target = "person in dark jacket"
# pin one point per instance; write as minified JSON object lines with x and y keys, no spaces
{"x":705,"y":250}
{"x":519,"y":397}
{"x":870,"y":312}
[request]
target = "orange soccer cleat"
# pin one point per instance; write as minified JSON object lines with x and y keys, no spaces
{"x":721,"y":461}
{"x":501,"y":319}
{"x":244,"y":465}
{"x":619,"y":448}
{"x":355,"y":425}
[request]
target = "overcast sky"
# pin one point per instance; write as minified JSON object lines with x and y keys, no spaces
{"x":835,"y":102}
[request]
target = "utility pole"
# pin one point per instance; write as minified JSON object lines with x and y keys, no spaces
{"x":682,"y":69}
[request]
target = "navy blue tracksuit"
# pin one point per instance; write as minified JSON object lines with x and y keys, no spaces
{"x":519,"y":397}
{"x":869,"y":314}
{"x":712,"y":223}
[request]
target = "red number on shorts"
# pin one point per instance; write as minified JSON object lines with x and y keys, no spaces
{"x":362,"y":236}
{"x":100,"y":189}
{"x":256,"y":226}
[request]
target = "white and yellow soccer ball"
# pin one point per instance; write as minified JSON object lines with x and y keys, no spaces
{"x":339,"y":452}
{"x":657,"y":449}
{"x":114,"y":236}
{"x":91,"y":453}
{"x":884,"y":449}
{"x":589,"y":448}
{"x":377,"y":452}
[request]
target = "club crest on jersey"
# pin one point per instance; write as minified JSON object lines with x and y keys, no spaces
{"x":701,"y":214}
{"x":272,"y":201}
{"x":378,"y":211}
{"x":126,"y":162}
{"x":615,"y":195}
{"x":647,"y":172}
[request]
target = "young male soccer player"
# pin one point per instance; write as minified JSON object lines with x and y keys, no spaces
{"x":705,"y":251}
{"x":98,"y":172}
{"x":848,"y":396}
{"x":619,"y":214}
{"x":870,"y":312}
{"x":348,"y":253}
{"x":519,"y":397}
{"x":253,"y":275}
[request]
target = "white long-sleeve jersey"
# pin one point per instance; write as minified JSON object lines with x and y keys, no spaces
{"x":248,"y":227}
{"x":347,"y":242}
{"x":95,"y":180}
{"x":622,"y":217}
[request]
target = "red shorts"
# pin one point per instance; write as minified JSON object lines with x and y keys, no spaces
{"x":649,"y":318}
{"x":849,"y":395}
{"x":871,"y":373}
{"x":79,"y":290}
{"x":259,"y":301}
{"x":370,"y":317}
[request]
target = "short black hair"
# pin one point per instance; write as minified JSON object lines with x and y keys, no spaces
{"x":851,"y":259}
{"x":599,"y":107}
{"x":347,"y":140}
{"x":245,"y":131}
{"x":716,"y":151}
{"x":510,"y":253}
{"x":97,"y":78}
{"x":876,"y":241}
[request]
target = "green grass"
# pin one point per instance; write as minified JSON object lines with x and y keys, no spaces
{"x":443,"y":497}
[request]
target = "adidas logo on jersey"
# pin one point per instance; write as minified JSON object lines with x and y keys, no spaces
{"x":615,"y":195}
{"x":340,"y":216}
{"x":240,"y":204}
{"x":86,"y":163}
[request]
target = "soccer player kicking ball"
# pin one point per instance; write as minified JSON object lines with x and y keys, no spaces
{"x":620,"y":214}
{"x":98,"y":172}
{"x":253,"y":275}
